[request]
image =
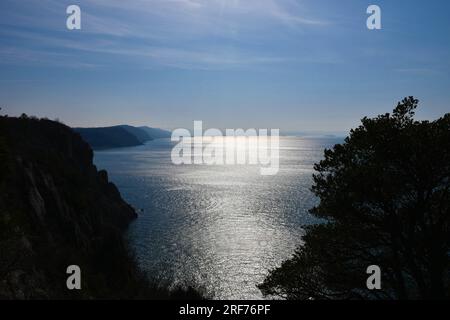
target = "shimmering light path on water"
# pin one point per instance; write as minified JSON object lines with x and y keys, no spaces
{"x":218,"y":227}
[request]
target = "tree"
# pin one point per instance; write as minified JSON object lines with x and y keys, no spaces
{"x":384,"y":200}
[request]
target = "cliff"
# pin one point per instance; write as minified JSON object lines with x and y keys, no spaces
{"x":56,"y":210}
{"x":156,"y":133}
{"x":120,"y":136}
{"x":111,"y":137}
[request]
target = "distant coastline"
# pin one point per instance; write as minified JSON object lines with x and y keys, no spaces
{"x":119,"y":136}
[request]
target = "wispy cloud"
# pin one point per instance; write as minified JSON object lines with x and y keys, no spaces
{"x":203,"y":34}
{"x":63,"y":51}
{"x":289,"y":12}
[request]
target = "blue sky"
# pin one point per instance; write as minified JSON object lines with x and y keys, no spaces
{"x":293,"y":65}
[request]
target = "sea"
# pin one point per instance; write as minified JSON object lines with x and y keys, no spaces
{"x":219,"y":228}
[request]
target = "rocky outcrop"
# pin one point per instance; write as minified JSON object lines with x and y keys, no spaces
{"x":56,"y":210}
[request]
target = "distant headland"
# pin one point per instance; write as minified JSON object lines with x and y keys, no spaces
{"x":120,"y":136}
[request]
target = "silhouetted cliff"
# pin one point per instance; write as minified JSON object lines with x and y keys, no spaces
{"x":57,"y":210}
{"x":109,"y":137}
{"x":120,"y":136}
{"x":156,"y":133}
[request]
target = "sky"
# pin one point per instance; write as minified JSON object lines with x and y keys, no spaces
{"x":288,"y":64}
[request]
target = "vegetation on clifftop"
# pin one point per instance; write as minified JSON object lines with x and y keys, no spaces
{"x":384,"y":200}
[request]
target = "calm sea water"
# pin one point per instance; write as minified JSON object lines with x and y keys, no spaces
{"x":220,"y":228}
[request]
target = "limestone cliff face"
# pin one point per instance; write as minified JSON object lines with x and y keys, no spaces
{"x":57,"y":209}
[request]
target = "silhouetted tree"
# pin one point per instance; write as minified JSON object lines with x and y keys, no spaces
{"x":384,"y":200}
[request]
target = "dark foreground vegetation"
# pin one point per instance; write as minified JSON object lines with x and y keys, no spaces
{"x":57,"y":210}
{"x":384,"y":200}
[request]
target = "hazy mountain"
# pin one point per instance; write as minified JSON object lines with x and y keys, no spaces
{"x":120,"y":136}
{"x":108,"y":137}
{"x":156,"y":133}
{"x":142,"y":135}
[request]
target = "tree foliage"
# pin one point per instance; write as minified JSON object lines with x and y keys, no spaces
{"x":384,"y":200}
